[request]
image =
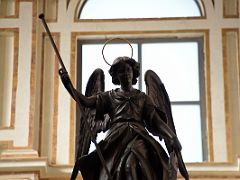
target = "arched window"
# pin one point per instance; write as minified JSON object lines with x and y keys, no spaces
{"x":121,"y":9}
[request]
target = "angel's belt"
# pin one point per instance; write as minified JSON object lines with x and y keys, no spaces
{"x":129,"y":122}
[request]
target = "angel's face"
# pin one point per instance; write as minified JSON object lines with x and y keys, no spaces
{"x":125,"y":74}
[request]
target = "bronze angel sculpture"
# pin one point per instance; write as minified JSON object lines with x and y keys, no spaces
{"x":128,"y":152}
{"x":129,"y":116}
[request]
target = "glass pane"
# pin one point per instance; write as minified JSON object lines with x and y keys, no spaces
{"x":117,"y":9}
{"x":92,"y":58}
{"x":177,"y":66}
{"x":188,"y":126}
{"x":182,"y":65}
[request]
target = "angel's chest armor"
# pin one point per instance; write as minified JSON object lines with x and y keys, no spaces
{"x":126,"y":108}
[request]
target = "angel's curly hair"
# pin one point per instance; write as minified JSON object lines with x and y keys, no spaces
{"x":120,"y":60}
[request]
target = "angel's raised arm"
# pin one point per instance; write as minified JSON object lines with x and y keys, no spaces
{"x":89,"y":101}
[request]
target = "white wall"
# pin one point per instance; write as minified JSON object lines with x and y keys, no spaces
{"x":45,"y":145}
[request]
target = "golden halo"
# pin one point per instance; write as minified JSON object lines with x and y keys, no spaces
{"x":112,"y":40}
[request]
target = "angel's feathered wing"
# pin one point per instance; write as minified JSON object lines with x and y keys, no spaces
{"x":95,"y":85}
{"x":157,"y":92}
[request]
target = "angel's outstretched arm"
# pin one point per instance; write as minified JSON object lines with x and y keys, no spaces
{"x":165,"y":131}
{"x":85,"y":101}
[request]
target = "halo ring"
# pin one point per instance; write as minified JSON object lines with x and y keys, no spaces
{"x":112,"y":40}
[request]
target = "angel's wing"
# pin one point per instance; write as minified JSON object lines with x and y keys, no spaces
{"x":157,"y":92}
{"x":95,"y":85}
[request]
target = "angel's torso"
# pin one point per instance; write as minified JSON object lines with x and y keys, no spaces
{"x":122,"y":107}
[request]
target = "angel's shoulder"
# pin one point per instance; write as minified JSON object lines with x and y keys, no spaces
{"x":143,"y":96}
{"x":104,"y":94}
{"x":148,"y":99}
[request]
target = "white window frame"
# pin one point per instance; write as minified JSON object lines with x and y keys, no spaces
{"x":141,"y":41}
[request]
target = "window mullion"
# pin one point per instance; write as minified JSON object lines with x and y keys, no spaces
{"x":185,"y":103}
{"x":139,"y":45}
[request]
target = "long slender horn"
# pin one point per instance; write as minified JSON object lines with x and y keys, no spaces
{"x":74,"y":173}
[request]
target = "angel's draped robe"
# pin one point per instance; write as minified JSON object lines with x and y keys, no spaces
{"x":128,"y":149}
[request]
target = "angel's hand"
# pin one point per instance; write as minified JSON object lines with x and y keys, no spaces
{"x":176,"y":144}
{"x":64,"y":76}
